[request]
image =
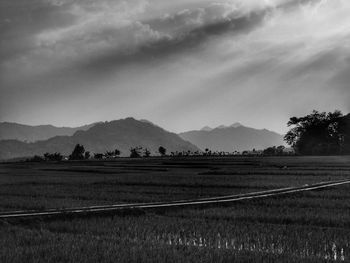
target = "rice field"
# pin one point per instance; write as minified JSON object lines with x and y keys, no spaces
{"x":305,"y":227}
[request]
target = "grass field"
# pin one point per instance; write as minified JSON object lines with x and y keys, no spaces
{"x":305,"y":227}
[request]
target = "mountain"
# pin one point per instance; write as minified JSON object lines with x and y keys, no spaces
{"x":206,"y":128}
{"x":122,"y":134}
{"x":233,"y":138}
{"x":236,"y":125}
{"x":20,"y":132}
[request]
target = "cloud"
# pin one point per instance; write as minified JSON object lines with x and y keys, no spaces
{"x":43,"y":45}
{"x":21,"y":20}
{"x":165,"y":45}
{"x":188,"y":57}
{"x":58,"y":33}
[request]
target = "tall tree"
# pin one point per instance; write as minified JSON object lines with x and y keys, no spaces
{"x":87,"y":155}
{"x":135,"y":152}
{"x":146,"y":153}
{"x":78,"y":153}
{"x":316,"y":133}
{"x":162,"y":150}
{"x":117,"y":152}
{"x":344,"y":128}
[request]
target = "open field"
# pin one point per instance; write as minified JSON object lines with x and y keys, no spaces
{"x":304,"y":227}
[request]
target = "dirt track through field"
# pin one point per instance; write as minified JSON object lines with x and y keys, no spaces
{"x":161,"y":205}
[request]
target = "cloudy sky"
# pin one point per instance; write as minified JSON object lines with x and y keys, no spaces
{"x":181,"y":64}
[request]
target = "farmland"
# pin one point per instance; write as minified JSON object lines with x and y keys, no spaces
{"x":304,"y":227}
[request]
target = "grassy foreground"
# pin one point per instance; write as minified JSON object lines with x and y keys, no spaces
{"x":305,"y":227}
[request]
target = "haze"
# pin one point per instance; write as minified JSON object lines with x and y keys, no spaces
{"x":182,"y":65}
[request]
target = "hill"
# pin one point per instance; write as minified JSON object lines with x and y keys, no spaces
{"x":233,"y":138}
{"x":122,"y":134}
{"x":27,"y":133}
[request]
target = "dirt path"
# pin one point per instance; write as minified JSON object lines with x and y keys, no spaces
{"x":180,"y":203}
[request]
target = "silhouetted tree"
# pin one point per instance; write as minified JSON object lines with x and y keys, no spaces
{"x":146,"y":153}
{"x":98,"y":156}
{"x":109,"y":154}
{"x":316,"y":133}
{"x":274,"y":150}
{"x":36,"y":158}
{"x":87,"y":155}
{"x":344,"y":129}
{"x":270,"y":151}
{"x":135,"y":152}
{"x":162,"y":150}
{"x":280,"y":150}
{"x":46,"y":156}
{"x":117,"y":152}
{"x":53,"y":157}
{"x":78,"y":153}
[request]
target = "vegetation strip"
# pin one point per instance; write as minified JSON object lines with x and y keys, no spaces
{"x":203,"y":201}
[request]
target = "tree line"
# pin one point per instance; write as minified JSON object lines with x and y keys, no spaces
{"x":79,"y":153}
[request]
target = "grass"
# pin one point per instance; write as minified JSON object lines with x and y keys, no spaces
{"x":304,"y":227}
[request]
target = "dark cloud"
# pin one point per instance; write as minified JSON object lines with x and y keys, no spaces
{"x":170,"y":45}
{"x":20,"y":20}
{"x":181,"y":32}
{"x":109,"y":43}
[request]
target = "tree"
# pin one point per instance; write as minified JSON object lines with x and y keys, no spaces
{"x":78,"y":153}
{"x":109,"y":154}
{"x":162,"y":151}
{"x":270,"y":151}
{"x":344,"y":128}
{"x":117,"y":152}
{"x":135,"y":152}
{"x":87,"y":155}
{"x":112,"y":154}
{"x":280,"y":150}
{"x":53,"y":157}
{"x":146,"y":153}
{"x":36,"y":158}
{"x":98,"y":156}
{"x":316,"y":133}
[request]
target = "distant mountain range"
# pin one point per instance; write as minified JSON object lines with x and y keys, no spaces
{"x":121,"y":134}
{"x":235,"y":137}
{"x":27,"y":133}
{"x":235,"y":125}
{"x":17,"y":140}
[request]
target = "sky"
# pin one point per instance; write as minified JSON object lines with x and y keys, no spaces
{"x":181,"y":64}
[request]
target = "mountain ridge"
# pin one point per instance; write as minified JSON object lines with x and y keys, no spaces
{"x":119,"y":134}
{"x":233,"y":138}
{"x":29,"y":133}
{"x":208,"y":128}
